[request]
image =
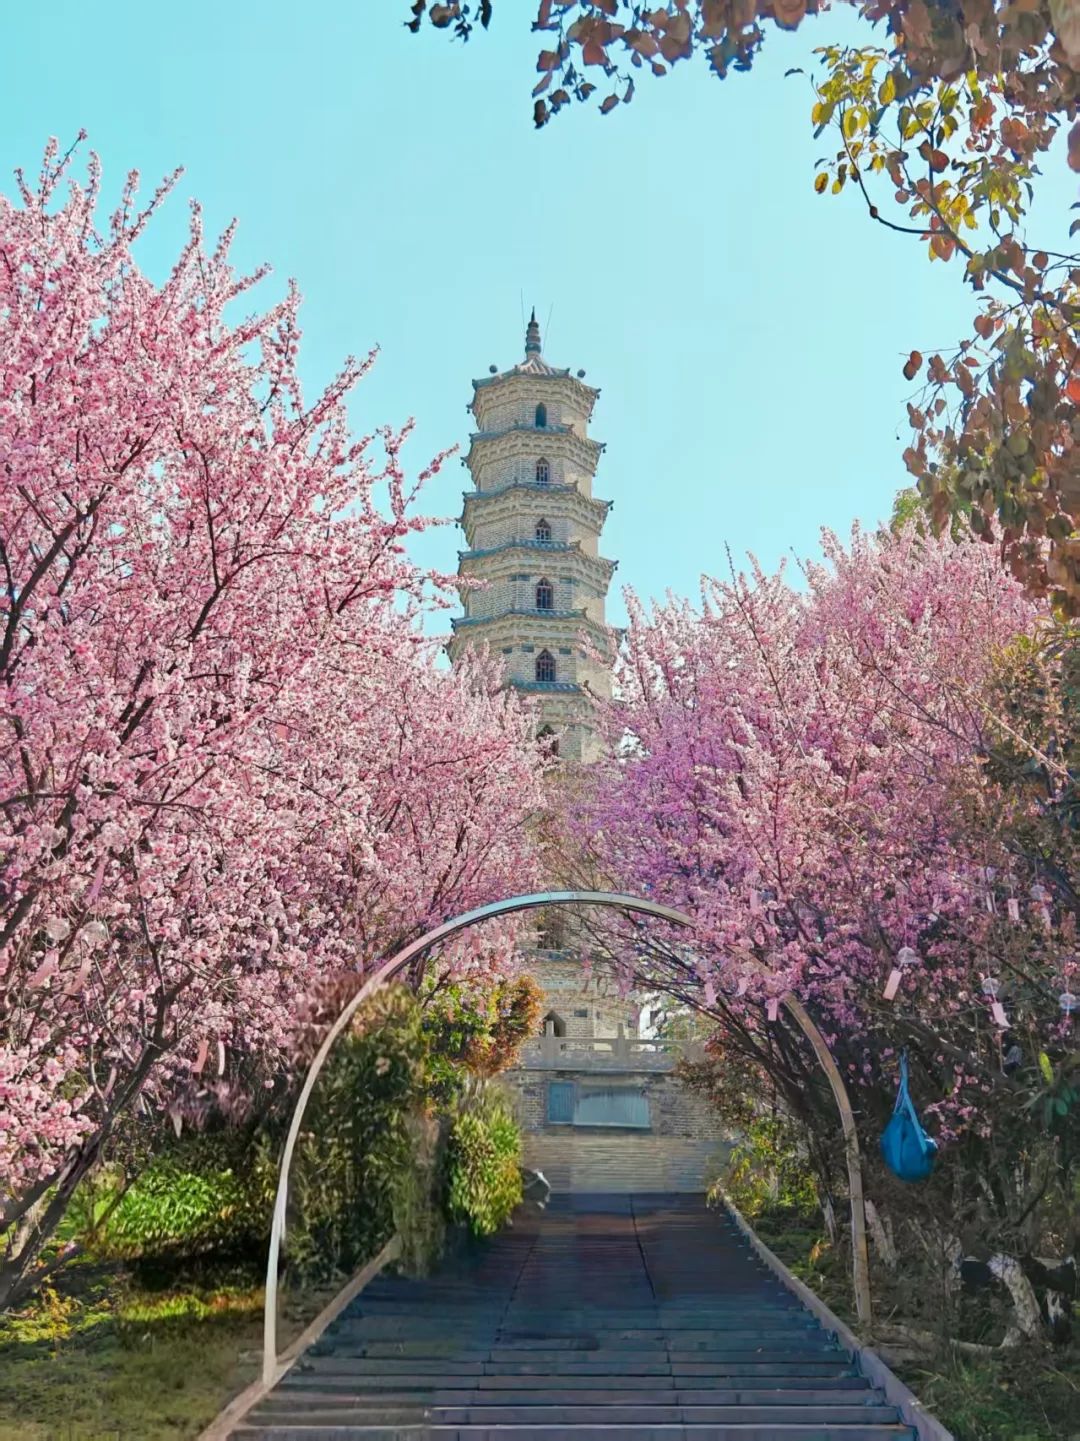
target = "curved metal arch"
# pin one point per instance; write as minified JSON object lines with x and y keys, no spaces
{"x":396,"y":963}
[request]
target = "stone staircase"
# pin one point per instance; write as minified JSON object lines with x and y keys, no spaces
{"x":639,"y":1317}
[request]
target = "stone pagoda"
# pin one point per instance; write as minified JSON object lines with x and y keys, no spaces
{"x":599,"y":1105}
{"x":532,"y":526}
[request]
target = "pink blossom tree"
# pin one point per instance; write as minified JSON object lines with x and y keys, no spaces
{"x":807,"y":774}
{"x":785,"y":766}
{"x":231,"y":768}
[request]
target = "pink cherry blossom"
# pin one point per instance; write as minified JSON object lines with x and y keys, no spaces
{"x":801,"y":771}
{"x":231,"y":766}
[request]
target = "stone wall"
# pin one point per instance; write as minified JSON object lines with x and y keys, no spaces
{"x":569,"y":991}
{"x":683,"y":1149}
{"x":626,"y":1163}
{"x":521,"y":529}
{"x":503,"y":470}
{"x":674,"y":1110}
{"x":513,"y":401}
{"x":518,"y":592}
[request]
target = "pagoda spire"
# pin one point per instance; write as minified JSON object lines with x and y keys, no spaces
{"x":532,"y":336}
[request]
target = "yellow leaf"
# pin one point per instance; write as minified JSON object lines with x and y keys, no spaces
{"x":854,"y":119}
{"x":820,"y":183}
{"x":887,"y":92}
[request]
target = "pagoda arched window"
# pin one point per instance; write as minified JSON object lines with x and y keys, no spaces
{"x":541,"y":417}
{"x":543,"y":472}
{"x":545,"y":595}
{"x":545,"y":668}
{"x":543,"y":532}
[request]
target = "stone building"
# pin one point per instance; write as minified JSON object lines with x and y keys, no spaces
{"x":599,"y":1104}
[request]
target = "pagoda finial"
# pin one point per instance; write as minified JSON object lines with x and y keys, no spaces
{"x":532,"y":335}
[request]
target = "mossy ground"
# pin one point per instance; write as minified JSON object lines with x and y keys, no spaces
{"x":1024,"y":1395}
{"x":122,"y":1354}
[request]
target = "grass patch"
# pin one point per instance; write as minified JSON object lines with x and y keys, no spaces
{"x":808,"y":1254}
{"x":1024,"y":1397}
{"x":113,"y":1354}
{"x":1031,"y":1394}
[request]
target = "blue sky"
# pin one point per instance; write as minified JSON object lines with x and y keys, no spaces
{"x":747,"y":335}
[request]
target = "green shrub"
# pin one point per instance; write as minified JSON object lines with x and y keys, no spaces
{"x":483,"y":1167}
{"x":202,"y":1192}
{"x":767,"y":1171}
{"x":358,"y":1172}
{"x":371,"y":1161}
{"x":474,"y":1030}
{"x":417,"y":1199}
{"x":354,"y":1170}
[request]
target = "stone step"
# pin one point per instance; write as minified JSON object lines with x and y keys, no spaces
{"x":754,"y":1370}
{"x":615,"y":1317}
{"x":552,"y":1381}
{"x":672,"y":1344}
{"x":564,"y":1415}
{"x":405,"y":1326}
{"x":722,"y":1311}
{"x":690,"y":1391}
{"x":557,"y":1348}
{"x":554,"y":1364}
{"x":857,"y":1394}
{"x":718,"y":1374}
{"x":381,"y":1366}
{"x":424,"y":1431}
{"x":703,"y":1348}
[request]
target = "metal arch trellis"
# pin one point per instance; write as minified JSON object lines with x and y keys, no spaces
{"x":398,"y":962}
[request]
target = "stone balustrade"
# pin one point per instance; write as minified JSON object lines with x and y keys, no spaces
{"x":595,"y":1053}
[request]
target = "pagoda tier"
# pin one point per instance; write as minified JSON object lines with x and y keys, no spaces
{"x":532,"y":527}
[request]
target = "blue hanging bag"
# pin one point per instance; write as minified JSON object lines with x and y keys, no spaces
{"x":908,"y":1151}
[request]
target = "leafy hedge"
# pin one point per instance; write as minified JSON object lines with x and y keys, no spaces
{"x":391,"y":1143}
{"x":767,"y":1170}
{"x":206,"y":1191}
{"x":483,"y":1167}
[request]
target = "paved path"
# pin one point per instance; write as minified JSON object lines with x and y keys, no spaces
{"x":638,"y":1317}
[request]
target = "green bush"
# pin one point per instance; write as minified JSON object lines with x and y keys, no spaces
{"x":359,"y":1171}
{"x":371,"y":1161}
{"x":417,"y":1199}
{"x":483,"y":1167}
{"x":203,"y":1191}
{"x":767,"y":1171}
{"x":356,"y":1148}
{"x":474,"y":1030}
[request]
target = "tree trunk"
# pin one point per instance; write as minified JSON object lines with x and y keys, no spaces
{"x":881,"y":1230}
{"x":1009,"y":1271}
{"x":20,"y":1273}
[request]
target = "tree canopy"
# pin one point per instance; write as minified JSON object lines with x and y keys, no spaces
{"x":231,"y":768}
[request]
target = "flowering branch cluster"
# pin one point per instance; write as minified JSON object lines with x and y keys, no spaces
{"x":230,"y":767}
{"x":806,"y":775}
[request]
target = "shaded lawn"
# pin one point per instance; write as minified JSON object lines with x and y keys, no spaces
{"x":1031,"y":1394}
{"x":112,"y":1353}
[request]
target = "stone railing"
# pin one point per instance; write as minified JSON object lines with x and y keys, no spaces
{"x":620,"y":1052}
